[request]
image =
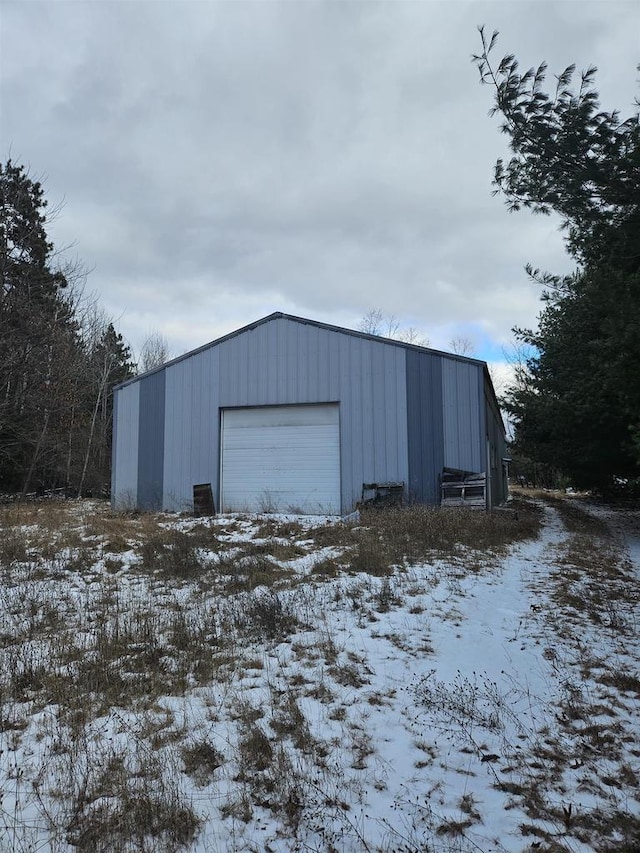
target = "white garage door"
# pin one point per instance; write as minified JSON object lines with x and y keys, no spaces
{"x":281,"y":459}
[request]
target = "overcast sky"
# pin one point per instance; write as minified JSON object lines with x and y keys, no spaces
{"x":220,"y":161}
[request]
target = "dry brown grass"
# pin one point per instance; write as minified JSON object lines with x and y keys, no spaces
{"x":418,"y":531}
{"x":49,"y":515}
{"x":246,"y":571}
{"x":201,"y":760}
{"x":623,"y":682}
{"x":119,"y":653}
{"x":577,"y":519}
{"x":592,"y":581}
{"x":276,"y":529}
{"x":74,"y":533}
{"x":390,"y":537}
{"x":112,"y":796}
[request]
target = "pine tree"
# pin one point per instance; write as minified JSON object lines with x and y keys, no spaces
{"x":577,"y":406}
{"x":57,"y":364}
{"x":36,"y":328}
{"x":109,"y":362}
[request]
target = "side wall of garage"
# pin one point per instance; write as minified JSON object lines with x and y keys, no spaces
{"x":463,"y":412}
{"x":124,"y":457}
{"x":497,"y":448}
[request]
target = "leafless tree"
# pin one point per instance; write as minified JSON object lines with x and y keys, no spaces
{"x":375,"y":322}
{"x":462,"y":345}
{"x":411,"y":335}
{"x":154,"y":352}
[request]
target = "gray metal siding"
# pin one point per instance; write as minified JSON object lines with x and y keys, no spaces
{"x":425,"y":425}
{"x":286,"y":362}
{"x":124,"y":475}
{"x":463,"y":415}
{"x":192,"y":425}
{"x":151,"y":441}
{"x":114,"y":441}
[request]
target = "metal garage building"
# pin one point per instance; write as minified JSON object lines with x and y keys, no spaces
{"x":294,"y":415}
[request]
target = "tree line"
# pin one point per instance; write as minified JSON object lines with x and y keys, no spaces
{"x":576,"y":399}
{"x":59,"y":356}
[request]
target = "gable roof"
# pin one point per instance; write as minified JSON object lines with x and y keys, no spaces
{"x":279,"y":315}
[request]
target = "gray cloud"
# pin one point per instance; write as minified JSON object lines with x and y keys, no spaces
{"x":220,"y":161}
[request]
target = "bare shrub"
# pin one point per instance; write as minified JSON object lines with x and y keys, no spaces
{"x":386,"y":596}
{"x":201,"y":760}
{"x":288,"y":721}
{"x":371,"y":554}
{"x":270,"y":615}
{"x":251,"y":571}
{"x":14,"y":547}
{"x":171,"y":554}
{"x":328,"y":567}
{"x":138,"y":820}
{"x":272,"y":529}
{"x":467,"y":702}
{"x":255,"y":751}
{"x":101,"y":796}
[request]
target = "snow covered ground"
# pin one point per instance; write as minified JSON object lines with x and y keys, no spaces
{"x":273,"y":684}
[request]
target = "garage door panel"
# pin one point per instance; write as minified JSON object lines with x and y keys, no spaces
{"x":266,"y":416}
{"x":281,"y":458}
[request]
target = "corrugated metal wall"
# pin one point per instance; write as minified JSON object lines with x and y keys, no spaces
{"x":192,"y":428}
{"x":124,"y":469}
{"x":497,"y":449}
{"x":404,"y":413}
{"x":425,"y":425}
{"x":151,"y":440}
{"x":463,"y":415}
